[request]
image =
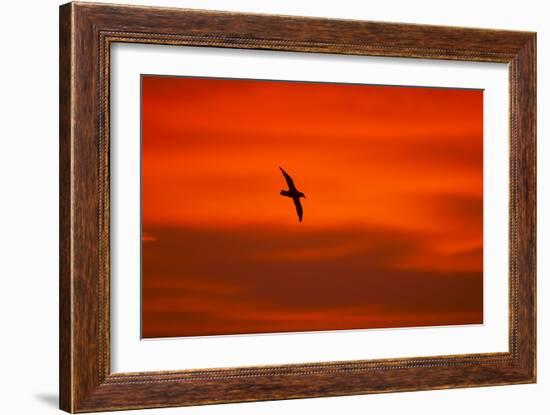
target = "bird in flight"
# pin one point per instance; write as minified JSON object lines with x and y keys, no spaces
{"x":294,"y":194}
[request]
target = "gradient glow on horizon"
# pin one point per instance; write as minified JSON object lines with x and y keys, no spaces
{"x":392,"y":234}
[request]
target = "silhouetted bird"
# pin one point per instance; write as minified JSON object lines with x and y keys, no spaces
{"x":294,"y":194}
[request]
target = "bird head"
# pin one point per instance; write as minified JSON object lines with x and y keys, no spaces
{"x":301,"y":195}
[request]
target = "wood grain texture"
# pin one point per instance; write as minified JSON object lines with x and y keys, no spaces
{"x":65,"y":138}
{"x":86,"y":33}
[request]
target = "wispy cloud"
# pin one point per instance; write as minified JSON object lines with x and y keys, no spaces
{"x":243,"y":280}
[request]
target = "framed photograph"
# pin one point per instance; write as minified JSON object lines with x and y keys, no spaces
{"x":258,"y":207}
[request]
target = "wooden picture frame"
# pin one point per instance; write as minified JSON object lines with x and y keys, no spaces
{"x":86,"y":33}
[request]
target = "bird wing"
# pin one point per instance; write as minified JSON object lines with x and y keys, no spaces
{"x":299,"y":209}
{"x":289,"y":180}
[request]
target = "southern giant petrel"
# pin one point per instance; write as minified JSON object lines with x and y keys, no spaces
{"x":294,"y":194}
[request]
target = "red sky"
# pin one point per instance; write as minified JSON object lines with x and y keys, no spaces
{"x":392,"y":228}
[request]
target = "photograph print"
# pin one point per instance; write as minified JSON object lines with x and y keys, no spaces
{"x":284,"y":206}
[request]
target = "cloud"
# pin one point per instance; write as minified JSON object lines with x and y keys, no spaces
{"x":252,"y":279}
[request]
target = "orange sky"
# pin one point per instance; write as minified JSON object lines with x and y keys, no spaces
{"x":392,"y":228}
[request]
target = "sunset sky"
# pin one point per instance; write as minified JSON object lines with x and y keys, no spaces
{"x":392,"y":233}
